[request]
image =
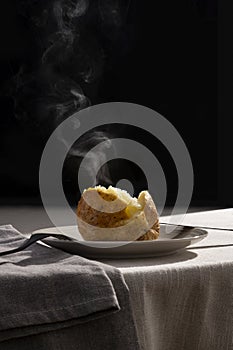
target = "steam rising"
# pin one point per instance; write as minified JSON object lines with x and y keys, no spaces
{"x":48,"y":89}
{"x":94,"y":159}
{"x":68,"y":57}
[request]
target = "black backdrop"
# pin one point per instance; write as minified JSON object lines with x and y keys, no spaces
{"x":163,"y":55}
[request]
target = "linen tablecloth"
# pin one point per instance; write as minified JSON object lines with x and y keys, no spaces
{"x":180,"y":301}
{"x":185,"y":301}
{"x":50,"y":300}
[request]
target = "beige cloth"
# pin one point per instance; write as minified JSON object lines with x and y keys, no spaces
{"x":185,"y":300}
{"x":221,"y":218}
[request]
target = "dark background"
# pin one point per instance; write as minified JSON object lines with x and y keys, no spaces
{"x":163,"y":55}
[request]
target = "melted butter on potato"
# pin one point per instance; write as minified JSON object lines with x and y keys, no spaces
{"x":124,"y":206}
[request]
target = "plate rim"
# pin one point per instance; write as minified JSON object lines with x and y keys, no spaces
{"x":201,"y":233}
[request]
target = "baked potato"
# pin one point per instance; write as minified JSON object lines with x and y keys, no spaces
{"x":111,"y":214}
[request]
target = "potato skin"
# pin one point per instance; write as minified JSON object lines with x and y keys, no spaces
{"x":151,"y":234}
{"x":99,"y":218}
{"x":118,"y":226}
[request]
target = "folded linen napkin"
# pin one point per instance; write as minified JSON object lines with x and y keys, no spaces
{"x":54,"y":300}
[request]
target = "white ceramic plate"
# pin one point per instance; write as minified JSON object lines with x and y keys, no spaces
{"x":180,"y":238}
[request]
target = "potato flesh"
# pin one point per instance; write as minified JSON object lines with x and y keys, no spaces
{"x":132,"y":208}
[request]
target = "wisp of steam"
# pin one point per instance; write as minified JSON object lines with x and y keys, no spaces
{"x":67,"y":59}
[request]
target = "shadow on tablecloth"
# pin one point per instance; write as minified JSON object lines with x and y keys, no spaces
{"x":180,"y":256}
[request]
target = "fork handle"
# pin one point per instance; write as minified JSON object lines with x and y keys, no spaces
{"x":34,"y":238}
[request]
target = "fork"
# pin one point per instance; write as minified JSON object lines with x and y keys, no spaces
{"x":32,"y":239}
{"x":188,"y":227}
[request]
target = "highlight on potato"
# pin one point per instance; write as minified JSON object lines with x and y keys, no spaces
{"x":111,"y":214}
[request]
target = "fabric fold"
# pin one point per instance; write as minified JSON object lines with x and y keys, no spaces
{"x":43,"y":289}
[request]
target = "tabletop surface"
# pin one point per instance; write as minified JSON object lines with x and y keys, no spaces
{"x":216,"y":248}
{"x":179,"y":301}
{"x":185,"y":300}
